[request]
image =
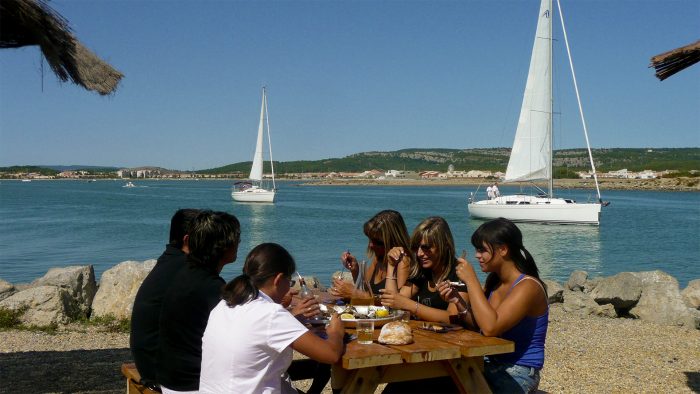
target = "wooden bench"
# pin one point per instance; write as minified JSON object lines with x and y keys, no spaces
{"x":132,"y":380}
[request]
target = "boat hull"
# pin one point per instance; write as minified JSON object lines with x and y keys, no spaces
{"x":533,"y":209}
{"x":254,"y":195}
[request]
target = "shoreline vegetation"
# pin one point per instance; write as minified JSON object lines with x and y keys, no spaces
{"x":659,"y":184}
{"x":684,"y":184}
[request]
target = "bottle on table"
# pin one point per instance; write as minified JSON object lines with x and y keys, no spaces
{"x":304,"y":291}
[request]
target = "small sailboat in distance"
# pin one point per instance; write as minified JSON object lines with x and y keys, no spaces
{"x":253,"y":190}
{"x":531,"y":156}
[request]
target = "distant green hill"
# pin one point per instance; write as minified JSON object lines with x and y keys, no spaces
{"x":566,"y":161}
{"x":28,"y":169}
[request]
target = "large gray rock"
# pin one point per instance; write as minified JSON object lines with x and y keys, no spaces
{"x":691,"y":294}
{"x":43,"y":305}
{"x":661,"y":301}
{"x":79,"y":281}
{"x":6,"y":289}
{"x":118,"y":287}
{"x":591,"y":284}
{"x":576,"y":281}
{"x":579,"y":303}
{"x":622,"y":291}
{"x":555,"y":291}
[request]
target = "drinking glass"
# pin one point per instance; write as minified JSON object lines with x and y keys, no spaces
{"x":402,"y":315}
{"x":365,"y":331}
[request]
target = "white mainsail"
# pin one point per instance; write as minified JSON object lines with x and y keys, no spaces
{"x":256,"y":171}
{"x":254,"y":191}
{"x":531,"y":156}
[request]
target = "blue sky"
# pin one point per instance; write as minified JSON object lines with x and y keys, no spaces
{"x":343,"y":77}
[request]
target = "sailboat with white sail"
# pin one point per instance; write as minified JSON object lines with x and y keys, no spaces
{"x":253,"y":190}
{"x":531,"y":156}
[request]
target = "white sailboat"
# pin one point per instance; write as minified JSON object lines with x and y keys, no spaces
{"x":531,"y":156}
{"x":253,"y":190}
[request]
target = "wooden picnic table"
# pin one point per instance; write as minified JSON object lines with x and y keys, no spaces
{"x":457,"y":354}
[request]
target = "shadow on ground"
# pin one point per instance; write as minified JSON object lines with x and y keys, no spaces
{"x":693,"y":381}
{"x":76,"y":371}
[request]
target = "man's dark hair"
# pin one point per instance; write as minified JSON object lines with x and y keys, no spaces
{"x":180,"y":224}
{"x":211,"y":235}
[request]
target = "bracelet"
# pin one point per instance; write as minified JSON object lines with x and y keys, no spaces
{"x":464,"y":312}
{"x":391,"y":277}
{"x":416,"y":311}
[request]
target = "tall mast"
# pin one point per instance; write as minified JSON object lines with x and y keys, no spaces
{"x":578,"y":99}
{"x":269,"y":140}
{"x":551,"y":111}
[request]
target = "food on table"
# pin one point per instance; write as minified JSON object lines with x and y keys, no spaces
{"x":350,"y":312}
{"x":382,"y":313}
{"x":396,"y":333}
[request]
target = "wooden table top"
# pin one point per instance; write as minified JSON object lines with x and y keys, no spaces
{"x":426,"y":346}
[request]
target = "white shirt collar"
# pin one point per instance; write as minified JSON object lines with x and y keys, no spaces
{"x":265,"y":296}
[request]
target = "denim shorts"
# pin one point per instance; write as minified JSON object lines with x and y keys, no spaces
{"x":510,"y":378}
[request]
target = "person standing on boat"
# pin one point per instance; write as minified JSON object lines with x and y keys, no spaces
{"x":385,"y":230}
{"x":149,"y":299}
{"x":513,"y":305}
{"x":494,"y":189}
{"x":213,"y":240}
{"x":489,"y":192}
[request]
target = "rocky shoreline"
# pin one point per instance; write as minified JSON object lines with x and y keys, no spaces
{"x":661,"y":184}
{"x":631,"y":331}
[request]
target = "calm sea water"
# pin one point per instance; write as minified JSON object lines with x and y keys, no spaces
{"x":46,"y":224}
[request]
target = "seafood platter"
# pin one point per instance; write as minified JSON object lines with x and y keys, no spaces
{"x":350,"y":314}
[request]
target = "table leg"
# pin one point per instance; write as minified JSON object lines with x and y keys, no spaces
{"x":467,"y":374}
{"x":363,"y":380}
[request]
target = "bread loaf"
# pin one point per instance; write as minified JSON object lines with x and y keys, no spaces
{"x":395,"y":333}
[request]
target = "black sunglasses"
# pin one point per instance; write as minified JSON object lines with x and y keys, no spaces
{"x":425,"y":248}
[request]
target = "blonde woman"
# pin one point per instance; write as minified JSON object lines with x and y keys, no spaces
{"x":434,"y":249}
{"x":385,"y":231}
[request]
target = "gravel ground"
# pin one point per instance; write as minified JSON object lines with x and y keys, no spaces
{"x":584,"y":355}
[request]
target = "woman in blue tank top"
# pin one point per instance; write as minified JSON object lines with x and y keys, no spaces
{"x":513,"y":305}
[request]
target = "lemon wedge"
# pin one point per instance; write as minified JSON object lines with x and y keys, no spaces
{"x":382,"y":313}
{"x":347,"y":316}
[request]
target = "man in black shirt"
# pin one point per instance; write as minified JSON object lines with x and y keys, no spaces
{"x":196,"y":289}
{"x":146,"y":311}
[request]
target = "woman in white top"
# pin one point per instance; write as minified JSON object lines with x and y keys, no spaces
{"x":247,"y":345}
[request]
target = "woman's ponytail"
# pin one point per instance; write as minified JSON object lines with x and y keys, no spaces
{"x":239,"y":291}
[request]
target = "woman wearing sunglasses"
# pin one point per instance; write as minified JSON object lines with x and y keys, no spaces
{"x":385,"y":231}
{"x":434,"y":248}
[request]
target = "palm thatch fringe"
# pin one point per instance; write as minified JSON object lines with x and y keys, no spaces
{"x":671,"y":62}
{"x":33,"y":22}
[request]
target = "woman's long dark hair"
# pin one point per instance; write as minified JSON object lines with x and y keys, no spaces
{"x":262,"y":263}
{"x":389,"y":227}
{"x":500,"y":232}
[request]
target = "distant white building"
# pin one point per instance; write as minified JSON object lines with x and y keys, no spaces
{"x":646,"y":174}
{"x":478,"y":174}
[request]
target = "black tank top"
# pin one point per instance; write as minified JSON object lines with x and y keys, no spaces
{"x":376,"y":286}
{"x":427,"y":297}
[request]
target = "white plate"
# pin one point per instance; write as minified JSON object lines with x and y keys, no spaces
{"x":378,"y":321}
